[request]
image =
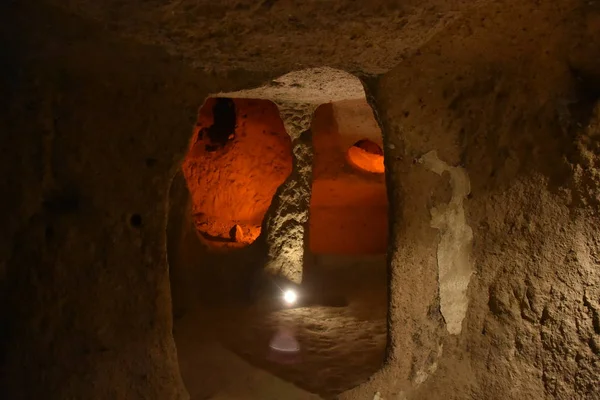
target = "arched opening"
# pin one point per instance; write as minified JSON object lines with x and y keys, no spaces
{"x":348,"y":210}
{"x":330,"y":334}
{"x":238,"y":157}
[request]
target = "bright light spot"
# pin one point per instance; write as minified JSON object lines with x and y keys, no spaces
{"x":289,"y":296}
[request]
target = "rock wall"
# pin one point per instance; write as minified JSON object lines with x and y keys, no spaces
{"x":286,"y":220}
{"x":93,"y":131}
{"x":348,"y":208}
{"x":95,"y":126}
{"x":528,"y":329}
{"x":232,"y":183}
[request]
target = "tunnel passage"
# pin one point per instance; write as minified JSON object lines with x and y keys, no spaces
{"x":239,"y":155}
{"x":348,"y":210}
{"x":334,"y":337}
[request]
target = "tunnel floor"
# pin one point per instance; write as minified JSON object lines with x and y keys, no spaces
{"x":341,"y":332}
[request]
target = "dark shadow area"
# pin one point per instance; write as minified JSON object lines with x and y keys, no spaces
{"x":224,"y":124}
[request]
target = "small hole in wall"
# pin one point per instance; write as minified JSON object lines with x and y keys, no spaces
{"x":135,"y":220}
{"x":366,"y":155}
{"x":223,"y":127}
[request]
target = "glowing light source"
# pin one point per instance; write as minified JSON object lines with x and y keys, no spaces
{"x":290,"y":297}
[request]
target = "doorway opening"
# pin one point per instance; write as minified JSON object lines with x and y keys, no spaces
{"x":239,"y":155}
{"x":349,"y":207}
{"x":330,"y":334}
{"x":347,"y":242}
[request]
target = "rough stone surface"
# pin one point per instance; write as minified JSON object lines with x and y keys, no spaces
{"x":297,"y":117}
{"x":524,"y":334}
{"x":98,"y":104}
{"x":287,"y":218}
{"x":85,"y":294}
{"x":308,"y":86}
{"x":282,"y":35}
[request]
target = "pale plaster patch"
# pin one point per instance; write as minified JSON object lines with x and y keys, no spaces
{"x":456,"y":237}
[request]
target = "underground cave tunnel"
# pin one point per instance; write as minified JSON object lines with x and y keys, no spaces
{"x":491,"y":119}
{"x":239,"y":154}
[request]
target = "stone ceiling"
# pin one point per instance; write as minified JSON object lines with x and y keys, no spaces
{"x":363,"y":37}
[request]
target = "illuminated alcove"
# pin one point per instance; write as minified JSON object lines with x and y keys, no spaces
{"x":348,"y":209}
{"x":367,"y":156}
{"x":238,"y":157}
{"x":225,"y":306}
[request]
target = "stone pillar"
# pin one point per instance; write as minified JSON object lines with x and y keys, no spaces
{"x":288,"y":215}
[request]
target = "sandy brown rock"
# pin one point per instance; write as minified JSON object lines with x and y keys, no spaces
{"x":281,"y":35}
{"x":287,"y":219}
{"x":98,"y":107}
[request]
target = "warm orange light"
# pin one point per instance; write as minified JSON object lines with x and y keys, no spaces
{"x":348,"y":206}
{"x":239,"y":155}
{"x":367,"y":156}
